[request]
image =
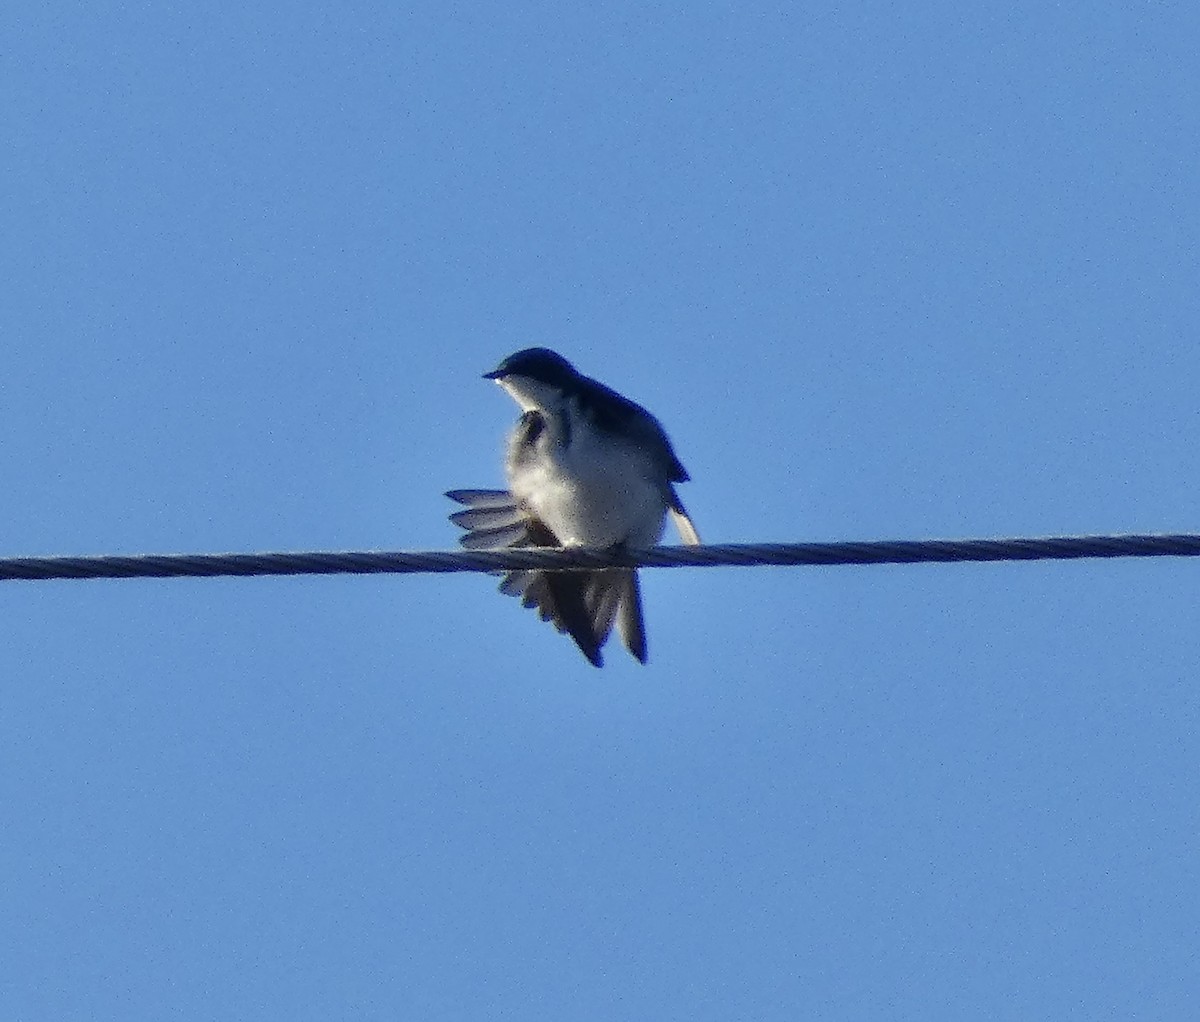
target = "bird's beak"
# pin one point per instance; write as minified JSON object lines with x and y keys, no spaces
{"x":495,"y":374}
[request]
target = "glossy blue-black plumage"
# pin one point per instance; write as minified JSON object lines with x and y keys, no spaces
{"x":607,"y":410}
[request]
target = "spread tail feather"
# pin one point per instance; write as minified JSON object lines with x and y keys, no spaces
{"x":630,"y":624}
{"x":582,"y":604}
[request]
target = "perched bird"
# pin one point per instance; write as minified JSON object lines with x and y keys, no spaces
{"x":586,"y":467}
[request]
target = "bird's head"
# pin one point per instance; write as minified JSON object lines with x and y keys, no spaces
{"x":537,"y":378}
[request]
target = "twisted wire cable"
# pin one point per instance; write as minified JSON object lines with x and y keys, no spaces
{"x":747,"y":555}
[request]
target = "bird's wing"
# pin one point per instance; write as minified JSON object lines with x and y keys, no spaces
{"x":683,"y":521}
{"x":582,"y":604}
{"x":615,"y":413}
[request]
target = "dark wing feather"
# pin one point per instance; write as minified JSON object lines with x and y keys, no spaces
{"x":630,"y":624}
{"x":615,"y":413}
{"x":570,"y":600}
{"x":582,"y":604}
{"x":482,"y":498}
{"x":488,"y":517}
{"x":503,"y":538}
{"x":492,"y":520}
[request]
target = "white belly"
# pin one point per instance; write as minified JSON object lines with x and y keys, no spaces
{"x":597,"y":492}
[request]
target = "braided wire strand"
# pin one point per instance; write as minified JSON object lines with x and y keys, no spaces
{"x":746,"y":555}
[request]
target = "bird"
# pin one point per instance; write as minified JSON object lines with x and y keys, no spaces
{"x":586,"y":467}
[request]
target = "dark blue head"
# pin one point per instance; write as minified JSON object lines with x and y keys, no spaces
{"x":539,"y":364}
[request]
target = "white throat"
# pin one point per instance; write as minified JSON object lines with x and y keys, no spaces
{"x":530,"y":394}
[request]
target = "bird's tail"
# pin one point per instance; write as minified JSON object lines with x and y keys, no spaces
{"x":630,"y":625}
{"x":583,"y":604}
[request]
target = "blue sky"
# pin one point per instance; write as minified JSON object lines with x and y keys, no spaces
{"x":883,"y":270}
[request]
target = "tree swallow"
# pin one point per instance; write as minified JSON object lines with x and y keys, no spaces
{"x":586,"y":467}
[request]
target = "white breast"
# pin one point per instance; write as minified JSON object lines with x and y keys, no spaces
{"x":596,"y":491}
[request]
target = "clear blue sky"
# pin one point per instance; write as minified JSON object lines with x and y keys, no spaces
{"x":883,"y":270}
